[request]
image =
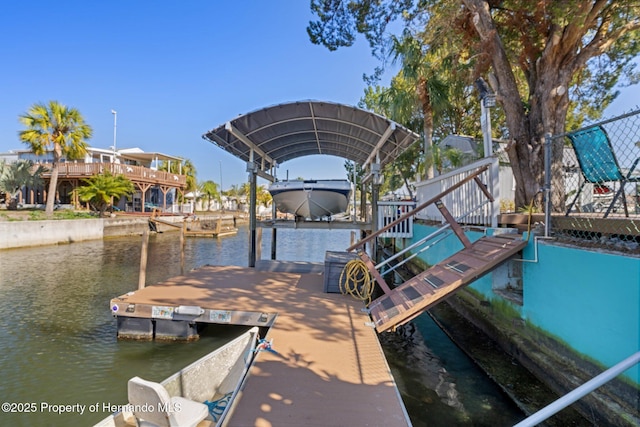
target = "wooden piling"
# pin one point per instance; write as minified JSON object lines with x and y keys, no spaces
{"x":182,"y":244}
{"x":142,"y":278}
{"x":258,"y":249}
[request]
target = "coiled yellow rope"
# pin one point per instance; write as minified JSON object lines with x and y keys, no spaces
{"x":356,"y":281}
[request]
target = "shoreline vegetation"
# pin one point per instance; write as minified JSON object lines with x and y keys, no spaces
{"x":32,"y":227}
{"x":35,"y":214}
{"x":39,"y":215}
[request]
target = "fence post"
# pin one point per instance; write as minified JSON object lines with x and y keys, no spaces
{"x":547,"y":183}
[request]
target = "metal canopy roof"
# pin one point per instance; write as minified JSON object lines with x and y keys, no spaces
{"x":273,"y":135}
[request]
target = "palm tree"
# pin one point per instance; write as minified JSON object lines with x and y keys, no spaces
{"x":15,"y":176}
{"x":263,"y":196}
{"x":57,"y":128}
{"x":100,"y":189}
{"x":419,"y":70}
{"x":446,"y":158}
{"x":185,"y":168}
{"x":234,"y":191}
{"x":245,"y":189}
{"x":209,"y":190}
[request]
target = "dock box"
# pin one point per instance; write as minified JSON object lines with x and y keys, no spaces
{"x":334,"y":263}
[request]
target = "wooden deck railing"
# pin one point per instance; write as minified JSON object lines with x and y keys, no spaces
{"x":134,"y":173}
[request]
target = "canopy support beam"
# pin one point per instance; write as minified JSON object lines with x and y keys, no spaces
{"x":376,"y":150}
{"x":254,"y":148}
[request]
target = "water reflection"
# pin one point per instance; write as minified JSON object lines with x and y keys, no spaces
{"x":59,"y":341}
{"x":440,"y":386}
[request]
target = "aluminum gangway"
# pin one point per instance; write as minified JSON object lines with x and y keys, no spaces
{"x":403,"y":303}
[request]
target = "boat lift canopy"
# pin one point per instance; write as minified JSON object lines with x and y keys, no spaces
{"x":268,"y":137}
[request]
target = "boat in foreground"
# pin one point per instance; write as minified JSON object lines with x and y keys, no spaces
{"x":203,"y":391}
{"x":311,"y":199}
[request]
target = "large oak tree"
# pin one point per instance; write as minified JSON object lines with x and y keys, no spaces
{"x":544,"y":59}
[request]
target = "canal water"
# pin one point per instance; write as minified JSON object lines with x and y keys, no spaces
{"x":59,"y":354}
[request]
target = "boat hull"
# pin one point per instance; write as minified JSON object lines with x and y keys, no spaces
{"x":219,"y":375}
{"x":313,"y":199}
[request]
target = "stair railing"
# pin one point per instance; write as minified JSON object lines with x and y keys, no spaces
{"x":437,"y":200}
{"x":421,"y":242}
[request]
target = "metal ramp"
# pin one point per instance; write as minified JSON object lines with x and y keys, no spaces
{"x":399,"y":305}
{"x":428,"y":288}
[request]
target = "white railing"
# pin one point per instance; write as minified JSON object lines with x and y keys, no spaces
{"x":134,"y":173}
{"x":469,"y":203}
{"x":580,"y":392}
{"x":388,"y":212}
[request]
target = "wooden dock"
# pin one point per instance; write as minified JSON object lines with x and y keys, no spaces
{"x":329,"y":369}
{"x":195,"y":228}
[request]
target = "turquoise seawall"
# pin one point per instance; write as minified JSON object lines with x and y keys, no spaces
{"x":588,"y":299}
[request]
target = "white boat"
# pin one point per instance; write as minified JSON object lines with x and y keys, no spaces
{"x":311,"y":199}
{"x":203,"y":391}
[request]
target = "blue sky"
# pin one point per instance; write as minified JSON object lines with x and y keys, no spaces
{"x":172,"y":70}
{"x":175,"y":69}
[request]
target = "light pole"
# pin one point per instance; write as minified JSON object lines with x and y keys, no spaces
{"x":487,"y":100}
{"x":221,"y":203}
{"x":115,"y":120}
{"x":221,"y":176}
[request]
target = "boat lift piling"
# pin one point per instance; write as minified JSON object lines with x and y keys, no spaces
{"x":253,"y":175}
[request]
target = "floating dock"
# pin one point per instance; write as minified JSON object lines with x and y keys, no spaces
{"x":194,"y":228}
{"x":327,"y":368}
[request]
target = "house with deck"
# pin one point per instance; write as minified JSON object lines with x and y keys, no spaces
{"x":154,"y":188}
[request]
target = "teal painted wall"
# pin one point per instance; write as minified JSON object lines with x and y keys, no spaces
{"x":588,"y":299}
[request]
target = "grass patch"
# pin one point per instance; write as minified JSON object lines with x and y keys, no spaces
{"x":8,"y":218}
{"x":69,"y":214}
{"x":39,"y":215}
{"x":36,"y":215}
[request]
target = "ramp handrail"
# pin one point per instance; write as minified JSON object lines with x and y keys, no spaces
{"x":420,"y":242}
{"x":580,"y":392}
{"x":473,"y":176}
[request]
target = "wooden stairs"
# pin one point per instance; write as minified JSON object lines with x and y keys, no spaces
{"x":432,"y":286}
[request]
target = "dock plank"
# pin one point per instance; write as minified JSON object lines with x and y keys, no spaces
{"x":330,"y":369}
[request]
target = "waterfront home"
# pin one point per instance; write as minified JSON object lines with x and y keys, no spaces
{"x":154,"y":188}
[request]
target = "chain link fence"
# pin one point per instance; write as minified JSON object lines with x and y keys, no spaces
{"x":595,"y":184}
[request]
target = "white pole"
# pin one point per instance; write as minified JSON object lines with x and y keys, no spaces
{"x":220,"y":176}
{"x":115,"y":119}
{"x":355,"y":187}
{"x":580,"y":392}
{"x":485,"y":122}
{"x":221,"y":202}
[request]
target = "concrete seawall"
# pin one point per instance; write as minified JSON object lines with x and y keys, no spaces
{"x":16,"y":234}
